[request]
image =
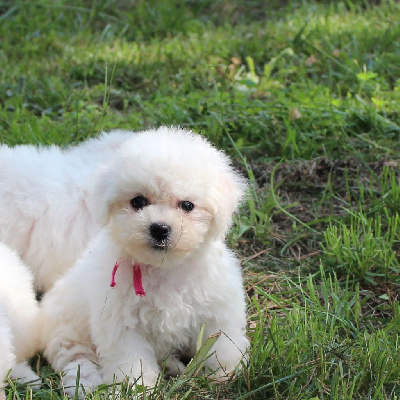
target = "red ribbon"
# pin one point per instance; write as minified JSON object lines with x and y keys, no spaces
{"x":137,"y":279}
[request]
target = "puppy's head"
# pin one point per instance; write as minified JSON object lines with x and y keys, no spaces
{"x":165,"y":194}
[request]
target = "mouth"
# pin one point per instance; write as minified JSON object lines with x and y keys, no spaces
{"x":160,"y":246}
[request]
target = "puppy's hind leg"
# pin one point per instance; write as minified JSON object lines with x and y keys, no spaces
{"x":24,"y":374}
{"x":66,"y":337}
{"x":70,"y":351}
{"x":78,"y":364}
{"x":174,"y":366}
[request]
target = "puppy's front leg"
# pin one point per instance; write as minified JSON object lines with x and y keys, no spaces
{"x":130,"y":356}
{"x":228,"y":351}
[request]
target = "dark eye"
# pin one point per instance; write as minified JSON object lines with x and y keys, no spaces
{"x":139,"y":202}
{"x":186,"y":206}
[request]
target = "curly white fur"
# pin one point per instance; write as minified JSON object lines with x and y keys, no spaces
{"x":19,"y":318}
{"x":191,"y":278}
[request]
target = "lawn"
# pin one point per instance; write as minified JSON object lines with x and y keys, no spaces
{"x":304,"y":96}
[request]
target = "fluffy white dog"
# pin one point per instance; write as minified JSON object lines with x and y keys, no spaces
{"x":19,"y":319}
{"x":157,"y":270}
{"x":44,"y":214}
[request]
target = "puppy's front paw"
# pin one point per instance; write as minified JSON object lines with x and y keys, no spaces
{"x":143,"y":378}
{"x":227,"y":357}
{"x":89,"y":378}
{"x":86,"y":385}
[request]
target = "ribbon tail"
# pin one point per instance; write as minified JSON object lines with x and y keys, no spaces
{"x":137,"y":281}
{"x":114,"y":271}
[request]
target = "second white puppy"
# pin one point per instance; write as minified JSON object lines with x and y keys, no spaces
{"x":19,"y":319}
{"x":158,"y":269}
{"x":44,"y":215}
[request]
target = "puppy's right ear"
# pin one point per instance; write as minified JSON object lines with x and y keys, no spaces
{"x":100,"y":196}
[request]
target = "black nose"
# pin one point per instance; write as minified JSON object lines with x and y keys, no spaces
{"x":160,"y":231}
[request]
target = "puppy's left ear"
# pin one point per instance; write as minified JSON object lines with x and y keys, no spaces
{"x":228,"y":193}
{"x":100,"y":196}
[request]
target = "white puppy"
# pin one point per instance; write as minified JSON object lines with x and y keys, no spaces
{"x":44,"y":215}
{"x":19,"y":318}
{"x":165,"y":202}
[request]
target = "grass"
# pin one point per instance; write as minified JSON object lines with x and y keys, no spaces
{"x":304,"y":95}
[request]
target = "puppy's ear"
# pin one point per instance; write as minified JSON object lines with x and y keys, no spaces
{"x":100,"y":196}
{"x":227,"y":195}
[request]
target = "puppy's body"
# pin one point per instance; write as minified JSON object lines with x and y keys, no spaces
{"x":115,"y":328}
{"x":19,"y":317}
{"x":44,"y":214}
{"x":165,"y":202}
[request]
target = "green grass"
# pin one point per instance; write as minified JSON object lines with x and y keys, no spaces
{"x":304,"y":95}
